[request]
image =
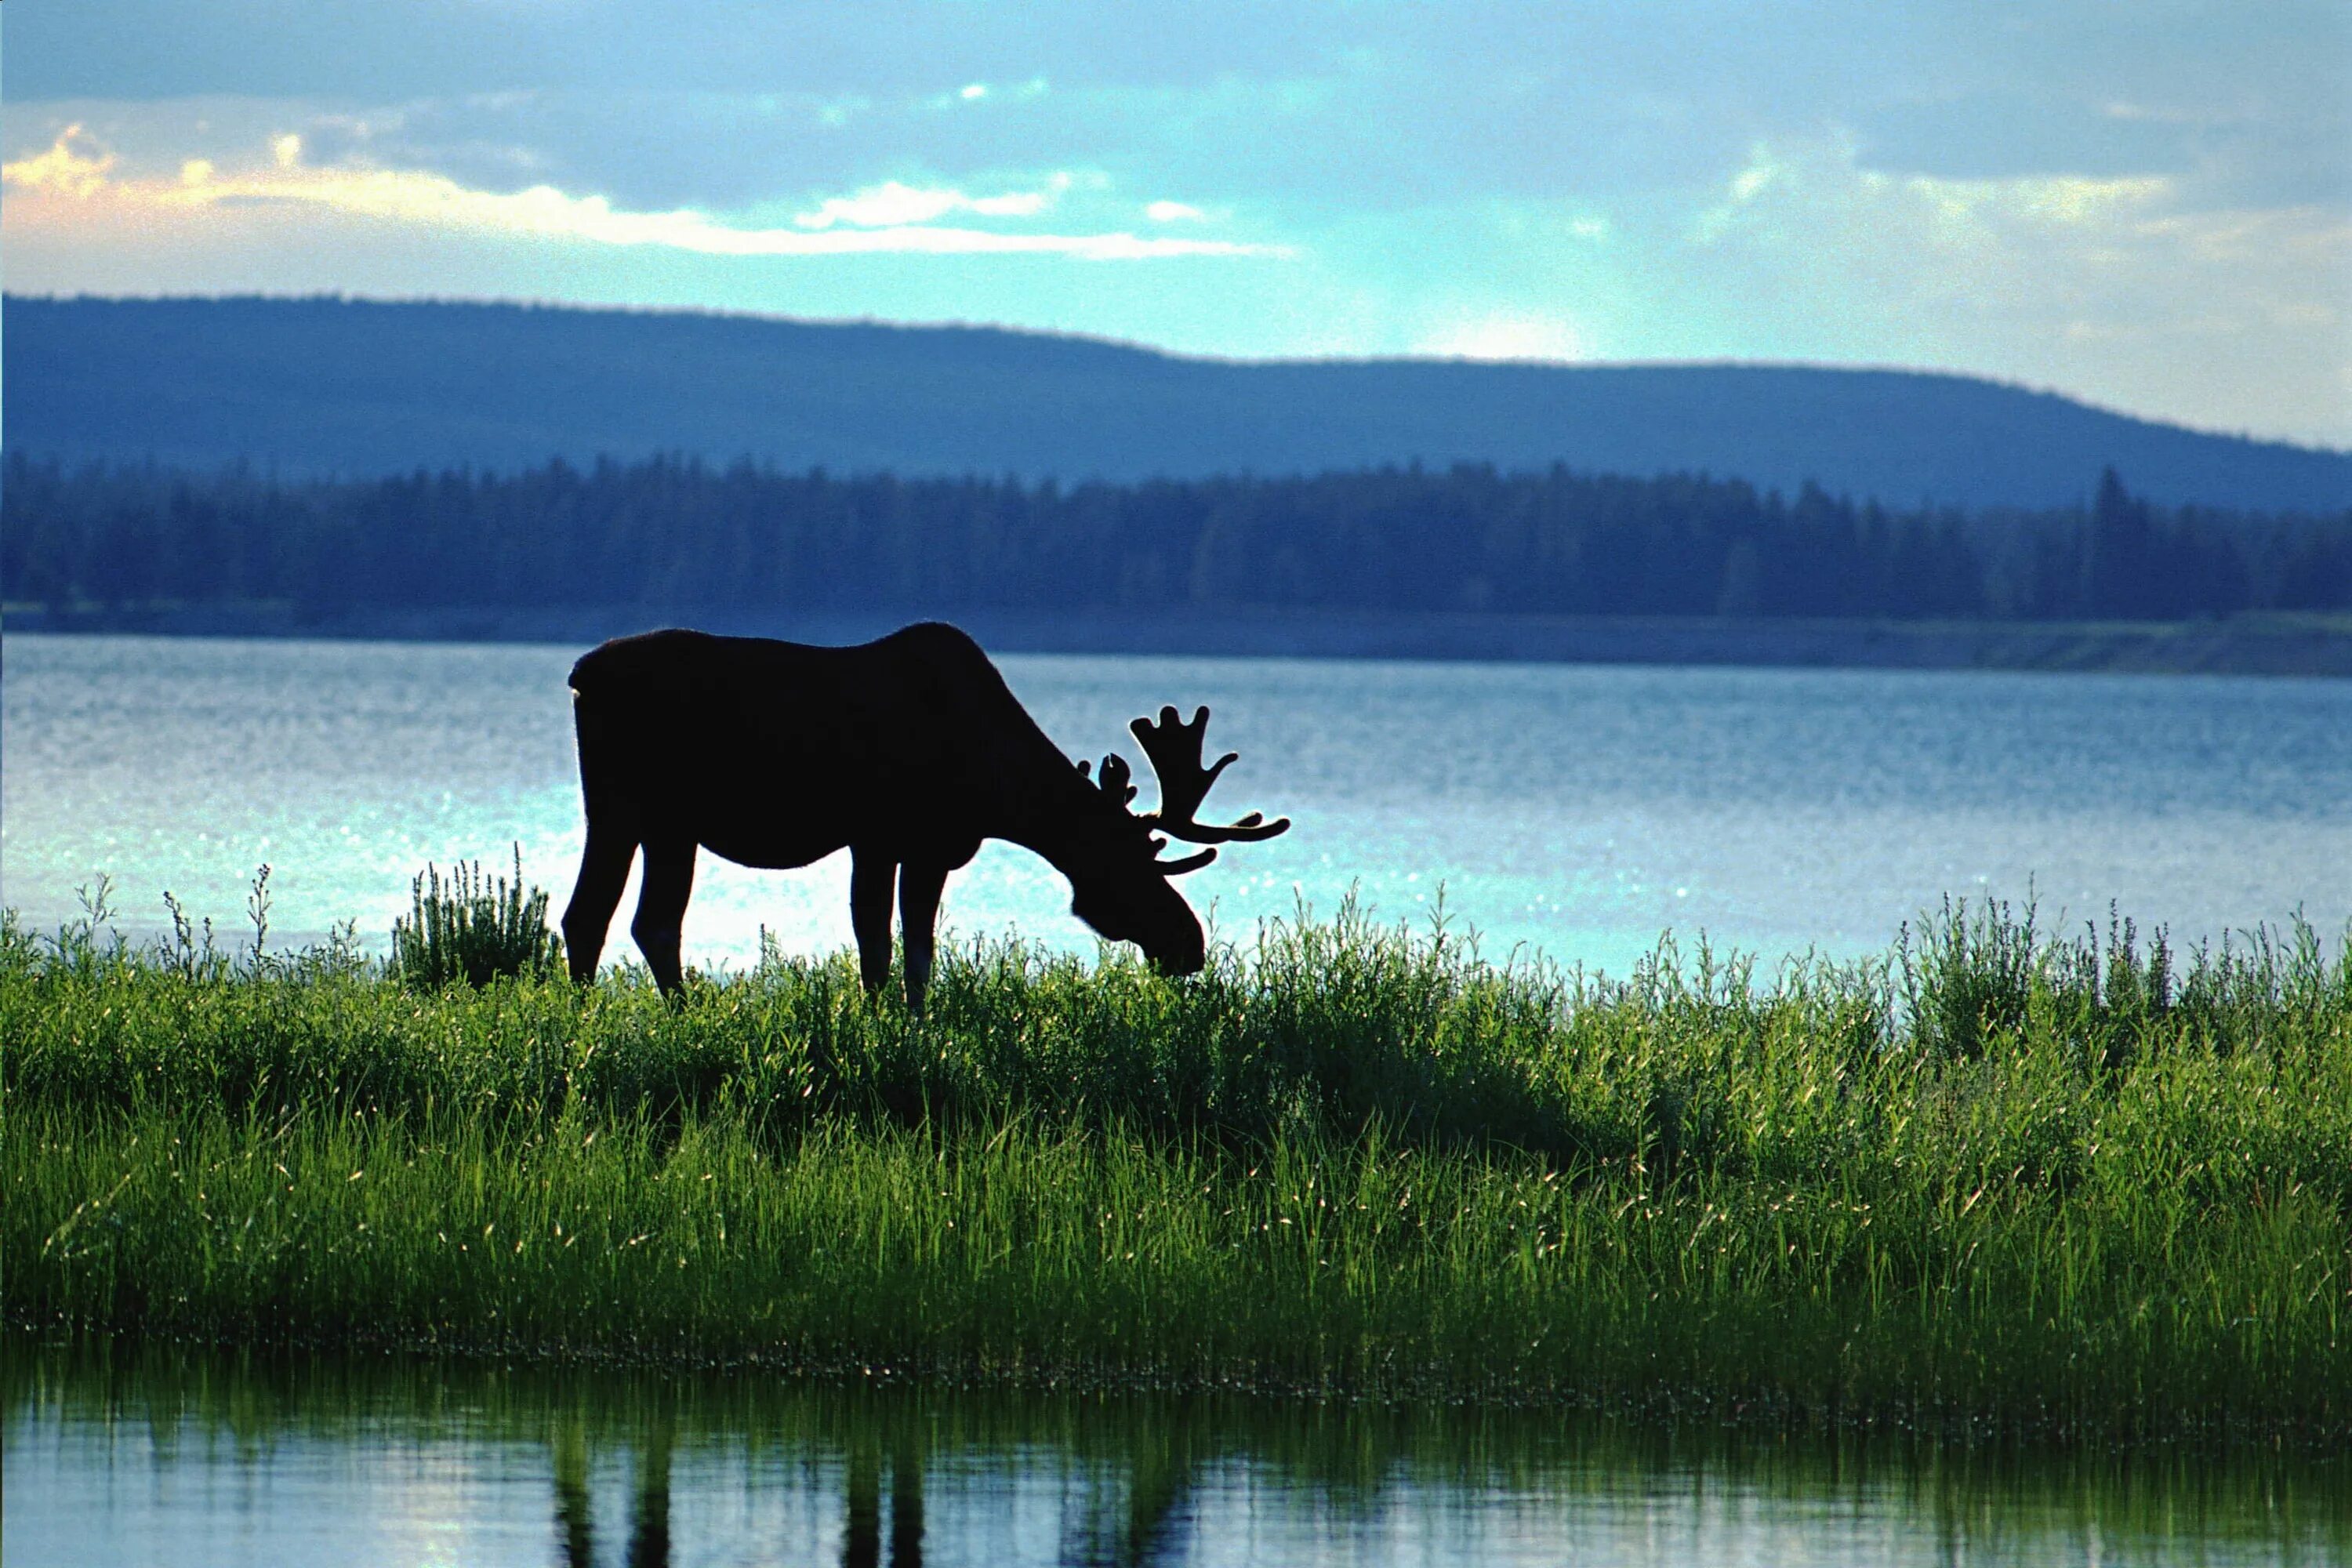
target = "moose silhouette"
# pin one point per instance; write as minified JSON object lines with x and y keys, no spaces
{"x":885,"y":1447}
{"x":909,"y":750}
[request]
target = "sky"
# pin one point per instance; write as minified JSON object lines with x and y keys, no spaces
{"x":2146,"y":205}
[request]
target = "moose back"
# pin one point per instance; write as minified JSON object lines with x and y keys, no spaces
{"x":908,"y":751}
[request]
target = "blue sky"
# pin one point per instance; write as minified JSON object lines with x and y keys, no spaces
{"x":2148,"y":206}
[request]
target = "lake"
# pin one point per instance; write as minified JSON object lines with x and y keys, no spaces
{"x":1577,"y":812}
{"x":129,"y":1454}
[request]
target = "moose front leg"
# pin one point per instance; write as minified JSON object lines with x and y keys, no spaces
{"x":918,"y":905}
{"x":872,"y":879}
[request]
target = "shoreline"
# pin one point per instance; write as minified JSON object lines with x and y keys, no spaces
{"x":2272,"y":645}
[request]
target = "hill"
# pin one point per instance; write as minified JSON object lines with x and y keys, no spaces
{"x":333,"y":386}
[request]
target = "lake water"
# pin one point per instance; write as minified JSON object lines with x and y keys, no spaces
{"x":129,"y":1455}
{"x":1577,"y":811}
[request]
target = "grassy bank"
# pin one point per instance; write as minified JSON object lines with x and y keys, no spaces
{"x":1996,"y":1178}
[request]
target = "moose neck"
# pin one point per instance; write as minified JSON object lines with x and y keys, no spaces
{"x":1048,"y":818}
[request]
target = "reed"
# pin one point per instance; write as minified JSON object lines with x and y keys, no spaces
{"x":1997,"y":1177}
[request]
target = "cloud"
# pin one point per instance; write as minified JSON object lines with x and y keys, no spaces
{"x":891,"y":204}
{"x":1173,"y":212}
{"x":74,"y":180}
{"x":65,"y":168}
{"x":2125,"y":288}
{"x":1820,"y":189}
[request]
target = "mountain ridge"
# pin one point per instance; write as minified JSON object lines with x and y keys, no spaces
{"x":330,"y":385}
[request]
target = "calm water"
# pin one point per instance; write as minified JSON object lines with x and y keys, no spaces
{"x":1580,"y":811}
{"x":129,"y":1457}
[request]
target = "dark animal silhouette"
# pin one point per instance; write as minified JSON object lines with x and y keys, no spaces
{"x":908,"y":751}
{"x":896,"y":1439}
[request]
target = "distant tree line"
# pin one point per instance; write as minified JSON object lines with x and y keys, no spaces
{"x":674,"y":534}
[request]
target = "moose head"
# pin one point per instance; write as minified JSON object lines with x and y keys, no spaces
{"x":1121,"y":885}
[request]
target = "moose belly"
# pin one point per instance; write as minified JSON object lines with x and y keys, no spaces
{"x":769,"y":805}
{"x":771,"y":851}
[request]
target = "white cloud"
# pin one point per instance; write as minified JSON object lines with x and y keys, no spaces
{"x":74,"y":182}
{"x":74,"y":165}
{"x":1173,"y":212}
{"x":1800,"y":188}
{"x":890,"y":204}
{"x":1750,"y":183}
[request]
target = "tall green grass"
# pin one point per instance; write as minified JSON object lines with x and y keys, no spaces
{"x":1997,"y":1177}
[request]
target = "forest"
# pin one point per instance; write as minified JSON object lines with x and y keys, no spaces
{"x":677,"y":533}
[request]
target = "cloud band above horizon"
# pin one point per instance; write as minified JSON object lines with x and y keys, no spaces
{"x":74,"y":182}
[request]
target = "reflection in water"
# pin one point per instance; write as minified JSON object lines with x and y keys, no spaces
{"x":649,"y":1542}
{"x":139,"y":1454}
{"x":861,"y":1531}
{"x":871,"y":1487}
{"x":575,"y":1524}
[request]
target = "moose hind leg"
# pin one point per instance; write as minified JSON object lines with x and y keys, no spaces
{"x":604,"y":872}
{"x":660,"y":924}
{"x":871,"y":876}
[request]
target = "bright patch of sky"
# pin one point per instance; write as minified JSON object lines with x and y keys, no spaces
{"x":2147,"y":206}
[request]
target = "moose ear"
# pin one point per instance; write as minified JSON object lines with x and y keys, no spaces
{"x":1113,"y":780}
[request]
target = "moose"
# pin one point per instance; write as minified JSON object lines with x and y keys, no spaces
{"x":908,"y":751}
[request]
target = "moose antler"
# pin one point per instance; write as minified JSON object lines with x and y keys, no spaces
{"x":1174,"y":750}
{"x":1113,"y":781}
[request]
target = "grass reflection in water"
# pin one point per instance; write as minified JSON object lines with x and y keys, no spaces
{"x":647,"y":1467}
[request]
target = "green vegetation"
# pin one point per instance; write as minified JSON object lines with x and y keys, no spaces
{"x":473,"y":930}
{"x":1996,"y":1178}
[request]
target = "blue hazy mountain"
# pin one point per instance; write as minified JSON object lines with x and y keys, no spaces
{"x":333,"y":386}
